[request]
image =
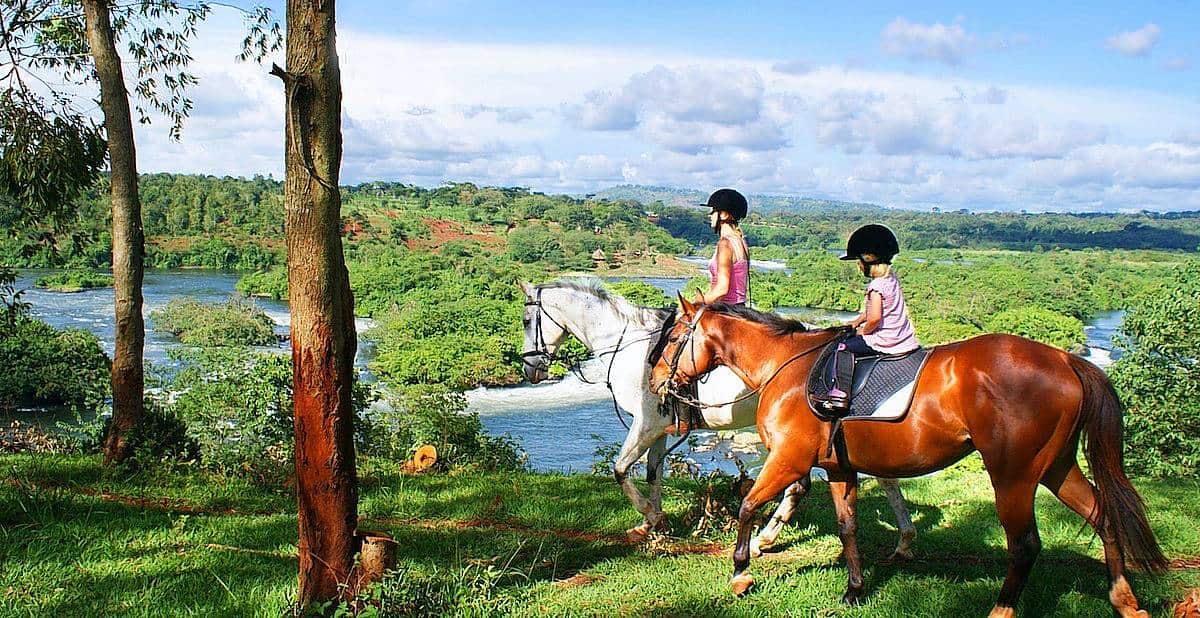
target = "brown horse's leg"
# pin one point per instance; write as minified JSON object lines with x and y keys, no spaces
{"x":1014,"y":505}
{"x":845,"y":501}
{"x":1080,"y":496}
{"x":776,"y":476}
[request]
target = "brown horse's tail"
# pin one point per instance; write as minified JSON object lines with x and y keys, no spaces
{"x":1122,"y":511}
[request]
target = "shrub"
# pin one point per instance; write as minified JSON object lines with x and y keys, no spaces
{"x":1039,"y":324}
{"x":640,"y":293}
{"x":237,"y":407}
{"x":421,"y":415}
{"x":236,"y":322}
{"x":41,"y":365}
{"x":1159,"y":376}
{"x":74,"y":281}
{"x":267,"y":284}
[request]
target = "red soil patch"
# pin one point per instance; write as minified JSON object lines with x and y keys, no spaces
{"x":579,"y":579}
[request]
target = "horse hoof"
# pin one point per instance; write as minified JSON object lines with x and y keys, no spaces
{"x":637,"y":534}
{"x":852,"y":597}
{"x":756,"y":548}
{"x":898,"y":557}
{"x":741,"y":584}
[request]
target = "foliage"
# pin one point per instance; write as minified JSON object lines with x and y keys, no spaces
{"x":18,"y":437}
{"x":48,"y":155}
{"x":160,"y":438}
{"x":640,"y":293}
{"x":1158,"y":378}
{"x":535,"y":243}
{"x":237,"y":406}
{"x":1040,"y":325}
{"x":472,"y":590}
{"x":74,"y":280}
{"x":420,"y":415}
{"x":270,"y":284}
{"x":41,"y":365}
{"x":236,"y":322}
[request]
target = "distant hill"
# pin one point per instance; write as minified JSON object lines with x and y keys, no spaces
{"x":760,"y":202}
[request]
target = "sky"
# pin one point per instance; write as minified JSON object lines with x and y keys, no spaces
{"x":992,"y":106}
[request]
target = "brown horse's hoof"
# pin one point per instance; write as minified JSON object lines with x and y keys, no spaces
{"x":1002,"y":612}
{"x":852,"y":597}
{"x":741,"y":584}
{"x":897,"y":557}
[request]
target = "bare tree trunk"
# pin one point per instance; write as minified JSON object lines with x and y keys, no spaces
{"x":322,"y":308}
{"x":128,"y":241}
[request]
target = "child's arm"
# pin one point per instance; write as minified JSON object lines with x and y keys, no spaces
{"x":873,"y":314}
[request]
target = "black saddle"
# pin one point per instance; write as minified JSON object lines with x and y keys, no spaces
{"x":876,"y":378}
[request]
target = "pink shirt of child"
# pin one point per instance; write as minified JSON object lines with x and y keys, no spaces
{"x":895,"y":334}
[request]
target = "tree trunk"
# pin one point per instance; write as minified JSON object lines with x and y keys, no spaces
{"x":127,"y":238}
{"x":322,"y":308}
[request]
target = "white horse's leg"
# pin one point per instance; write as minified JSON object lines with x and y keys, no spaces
{"x":639,"y":438}
{"x":787,"y":507}
{"x":655,"y":458}
{"x":908,"y":532}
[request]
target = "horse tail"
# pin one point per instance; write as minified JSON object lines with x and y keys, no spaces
{"x":1122,"y":511}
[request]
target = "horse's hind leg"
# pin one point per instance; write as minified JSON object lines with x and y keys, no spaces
{"x":776,"y":476}
{"x":1014,"y":505}
{"x":904,"y":524}
{"x":787,"y":507}
{"x":1067,"y":482}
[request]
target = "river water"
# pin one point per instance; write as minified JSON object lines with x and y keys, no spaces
{"x":560,"y":424}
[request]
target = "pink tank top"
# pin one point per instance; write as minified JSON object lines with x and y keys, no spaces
{"x":739,"y":279}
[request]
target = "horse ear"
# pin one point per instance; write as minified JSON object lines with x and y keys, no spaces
{"x":688,"y":308}
{"x":699,"y":298}
{"x":527,"y":288}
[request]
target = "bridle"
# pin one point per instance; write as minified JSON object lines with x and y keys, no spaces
{"x":540,"y":347}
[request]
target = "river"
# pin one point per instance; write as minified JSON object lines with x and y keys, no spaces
{"x":555,"y":422}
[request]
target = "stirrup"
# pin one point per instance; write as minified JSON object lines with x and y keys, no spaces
{"x":834,"y":401}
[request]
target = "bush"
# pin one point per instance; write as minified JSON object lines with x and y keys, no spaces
{"x":234,"y":323}
{"x":1159,"y":376}
{"x":237,"y":407}
{"x":267,"y":284}
{"x":41,"y":365}
{"x":162,"y":436}
{"x":416,"y":416}
{"x":640,"y":293}
{"x":1039,"y":324}
{"x":74,"y":281}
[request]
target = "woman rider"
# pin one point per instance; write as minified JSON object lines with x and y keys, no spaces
{"x":729,"y":268}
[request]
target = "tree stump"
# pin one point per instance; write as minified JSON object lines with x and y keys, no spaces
{"x":376,"y":556}
{"x":422,"y":460}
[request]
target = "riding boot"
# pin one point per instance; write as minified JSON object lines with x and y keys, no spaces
{"x":838,"y":398}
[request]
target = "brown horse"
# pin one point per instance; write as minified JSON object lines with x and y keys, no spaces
{"x":1023,"y":405}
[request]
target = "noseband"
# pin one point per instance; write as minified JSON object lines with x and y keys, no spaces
{"x":673,"y":364}
{"x":540,"y":348}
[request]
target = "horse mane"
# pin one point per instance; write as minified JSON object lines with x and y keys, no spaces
{"x":647,"y":316}
{"x":775,"y":323}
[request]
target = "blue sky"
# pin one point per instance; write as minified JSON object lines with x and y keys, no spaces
{"x":1016,"y":105}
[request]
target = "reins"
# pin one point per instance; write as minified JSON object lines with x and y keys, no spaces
{"x":674,"y":365}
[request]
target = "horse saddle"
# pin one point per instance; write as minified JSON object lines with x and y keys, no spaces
{"x":882,"y":387}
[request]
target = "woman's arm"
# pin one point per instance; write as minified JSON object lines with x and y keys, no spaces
{"x":873,"y":315}
{"x":720,"y":287}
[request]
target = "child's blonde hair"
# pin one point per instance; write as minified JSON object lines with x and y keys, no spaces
{"x":877,"y":269}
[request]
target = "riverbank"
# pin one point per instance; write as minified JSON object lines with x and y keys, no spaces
{"x":166,"y":544}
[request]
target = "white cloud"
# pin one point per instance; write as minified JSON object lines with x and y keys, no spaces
{"x":792,"y":67}
{"x":934,"y":42}
{"x":1177,"y":63}
{"x":1134,"y":42}
{"x":532,"y":115}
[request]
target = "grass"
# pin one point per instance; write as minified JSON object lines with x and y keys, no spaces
{"x":75,"y":540}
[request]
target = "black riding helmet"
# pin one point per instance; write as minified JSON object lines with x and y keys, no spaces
{"x":872,"y":239}
{"x":730,"y":201}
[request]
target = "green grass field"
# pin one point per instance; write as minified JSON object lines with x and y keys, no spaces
{"x":75,"y":541}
